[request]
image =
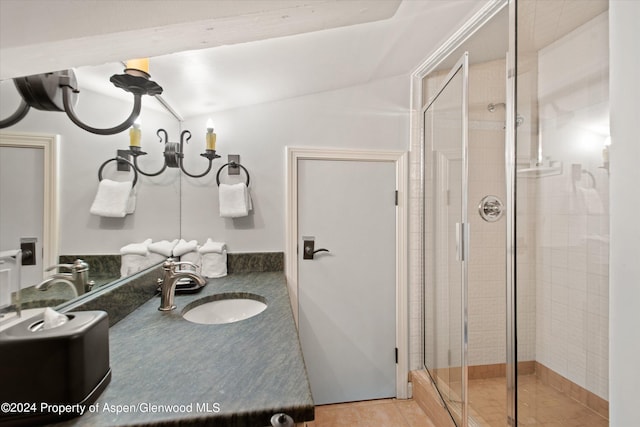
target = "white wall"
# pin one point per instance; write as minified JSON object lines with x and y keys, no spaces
{"x":80,"y":156}
{"x":624,"y":382}
{"x":372,"y":116}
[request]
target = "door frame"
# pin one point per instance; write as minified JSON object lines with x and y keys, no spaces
{"x":400,"y":160}
{"x":49,"y":143}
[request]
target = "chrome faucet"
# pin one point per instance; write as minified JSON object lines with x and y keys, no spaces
{"x":77,"y":278}
{"x":170,"y":279}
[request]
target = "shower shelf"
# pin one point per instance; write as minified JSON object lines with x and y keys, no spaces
{"x":555,"y":168}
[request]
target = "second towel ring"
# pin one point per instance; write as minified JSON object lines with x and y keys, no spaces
{"x":120,"y":159}
{"x":233,"y":164}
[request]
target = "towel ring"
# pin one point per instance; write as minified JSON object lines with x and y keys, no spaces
{"x":592,"y":178}
{"x":120,"y":159}
{"x":233,"y":164}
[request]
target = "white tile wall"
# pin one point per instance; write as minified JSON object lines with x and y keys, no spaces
{"x":571,"y":231}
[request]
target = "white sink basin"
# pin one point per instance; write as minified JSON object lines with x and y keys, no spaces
{"x":224,"y":308}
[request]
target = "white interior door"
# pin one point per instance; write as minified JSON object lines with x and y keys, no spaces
{"x":347,"y":296}
{"x":22,"y":184}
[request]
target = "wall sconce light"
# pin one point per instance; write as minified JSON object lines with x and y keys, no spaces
{"x":173,"y":151}
{"x":58,"y":91}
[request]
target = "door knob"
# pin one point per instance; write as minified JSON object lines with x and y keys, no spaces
{"x":309,"y":248}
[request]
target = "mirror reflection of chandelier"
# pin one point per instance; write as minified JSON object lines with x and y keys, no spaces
{"x":58,"y":91}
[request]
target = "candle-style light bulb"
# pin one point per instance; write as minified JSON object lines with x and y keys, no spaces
{"x":138,"y":67}
{"x":135,"y":134}
{"x":211,"y":136}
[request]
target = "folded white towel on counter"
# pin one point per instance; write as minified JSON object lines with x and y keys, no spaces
{"x":210,"y":247}
{"x":182,"y":247}
{"x":134,"y":257}
{"x":141,"y":248}
{"x":163,"y":247}
{"x":131,"y":264}
{"x":154,"y":258}
{"x":188,"y":252}
{"x":213,"y":258}
{"x":111,"y":199}
{"x":235,"y":200}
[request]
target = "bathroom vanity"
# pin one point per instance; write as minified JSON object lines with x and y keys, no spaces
{"x":167,"y":370}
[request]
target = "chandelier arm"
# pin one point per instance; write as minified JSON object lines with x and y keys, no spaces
{"x":135,"y":163}
{"x":166,"y":136}
{"x":194,"y":175}
{"x":182,"y":135}
{"x":68,"y":108}
{"x":19,"y":114}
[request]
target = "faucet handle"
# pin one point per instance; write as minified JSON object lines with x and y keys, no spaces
{"x":194,"y":266}
{"x":53,"y":267}
{"x":80,"y":265}
{"x":169,"y":264}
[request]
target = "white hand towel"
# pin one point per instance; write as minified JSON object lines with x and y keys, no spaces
{"x":131,"y":264}
{"x":134,"y":257}
{"x":153,"y":259}
{"x":184,"y":247}
{"x":212,"y":247}
{"x":235,"y":200}
{"x":111,"y":198}
{"x":141,"y":248}
{"x":163,"y":247}
{"x":213,"y":257}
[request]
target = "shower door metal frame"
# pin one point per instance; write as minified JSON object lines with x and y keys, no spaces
{"x":510,"y":208}
{"x":478,"y":20}
{"x":462,"y":228}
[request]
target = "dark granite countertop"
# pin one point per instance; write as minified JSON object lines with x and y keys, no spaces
{"x":236,"y":374}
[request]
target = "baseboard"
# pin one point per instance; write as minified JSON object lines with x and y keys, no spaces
{"x":425,"y":394}
{"x":590,"y":400}
{"x":427,"y":397}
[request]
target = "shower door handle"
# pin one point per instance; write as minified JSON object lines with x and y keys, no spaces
{"x":462,"y":239}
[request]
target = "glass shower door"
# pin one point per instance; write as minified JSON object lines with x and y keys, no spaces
{"x":445,"y":142}
{"x":561,"y":256}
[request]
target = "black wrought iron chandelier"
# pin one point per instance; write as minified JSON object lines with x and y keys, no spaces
{"x":173,"y":151}
{"x":58,"y":91}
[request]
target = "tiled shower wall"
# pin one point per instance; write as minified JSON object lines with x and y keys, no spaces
{"x":487,"y":278}
{"x":572,"y":208}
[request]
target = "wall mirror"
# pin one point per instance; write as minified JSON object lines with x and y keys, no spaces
{"x":49,"y":174}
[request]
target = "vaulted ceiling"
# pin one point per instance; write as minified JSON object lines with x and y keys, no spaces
{"x":222,"y":54}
